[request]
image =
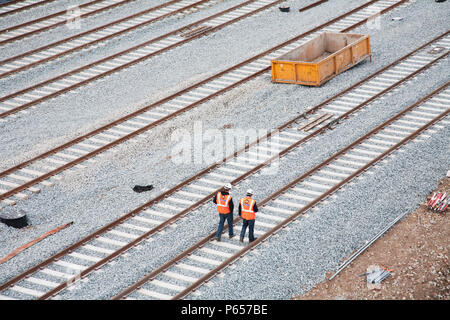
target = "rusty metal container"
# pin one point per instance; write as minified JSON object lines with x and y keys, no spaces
{"x":320,"y":59}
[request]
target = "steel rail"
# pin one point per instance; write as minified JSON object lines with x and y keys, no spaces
{"x":189,"y":289}
{"x":25,"y":7}
{"x":88,"y":32}
{"x":54,"y":15}
{"x":173,"y":190}
{"x":312,"y":5}
{"x":125,"y":65}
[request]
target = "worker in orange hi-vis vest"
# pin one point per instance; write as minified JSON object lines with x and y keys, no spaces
{"x":247,"y":210}
{"x":225,"y":207}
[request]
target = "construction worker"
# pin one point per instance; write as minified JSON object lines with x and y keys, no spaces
{"x":247,"y":210}
{"x":225,"y":207}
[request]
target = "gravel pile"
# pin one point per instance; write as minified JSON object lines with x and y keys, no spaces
{"x":301,"y":255}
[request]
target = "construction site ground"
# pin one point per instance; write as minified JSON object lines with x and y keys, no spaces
{"x":415,"y":249}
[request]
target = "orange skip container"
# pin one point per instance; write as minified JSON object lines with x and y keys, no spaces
{"x":320,"y":59}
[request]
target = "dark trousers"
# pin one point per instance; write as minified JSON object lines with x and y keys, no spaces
{"x":251,"y":228}
{"x":222,"y":218}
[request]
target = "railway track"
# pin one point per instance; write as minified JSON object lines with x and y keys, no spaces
{"x":26,"y":175}
{"x":25,"y":98}
{"x":109,"y":242}
{"x":206,"y":259}
{"x":23,"y":179}
{"x":96,"y":35}
{"x":312,"y":5}
{"x":53,"y":20}
{"x":16,"y":6}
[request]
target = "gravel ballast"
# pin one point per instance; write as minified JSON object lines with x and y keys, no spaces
{"x":95,"y":196}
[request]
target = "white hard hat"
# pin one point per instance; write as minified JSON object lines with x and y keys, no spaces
{"x":228,"y":186}
{"x":249,"y":191}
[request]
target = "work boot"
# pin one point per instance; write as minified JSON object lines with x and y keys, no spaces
{"x":252,"y":240}
{"x":241,"y":239}
{"x":232,"y":236}
{"x":217,"y":239}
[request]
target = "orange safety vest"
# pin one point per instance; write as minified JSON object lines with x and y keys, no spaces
{"x":247,"y":205}
{"x":222,"y":203}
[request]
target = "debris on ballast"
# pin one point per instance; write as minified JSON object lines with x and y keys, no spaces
{"x":140,"y":189}
{"x":438,"y":202}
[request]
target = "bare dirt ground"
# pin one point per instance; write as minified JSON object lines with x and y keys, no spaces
{"x":416,"y":249}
